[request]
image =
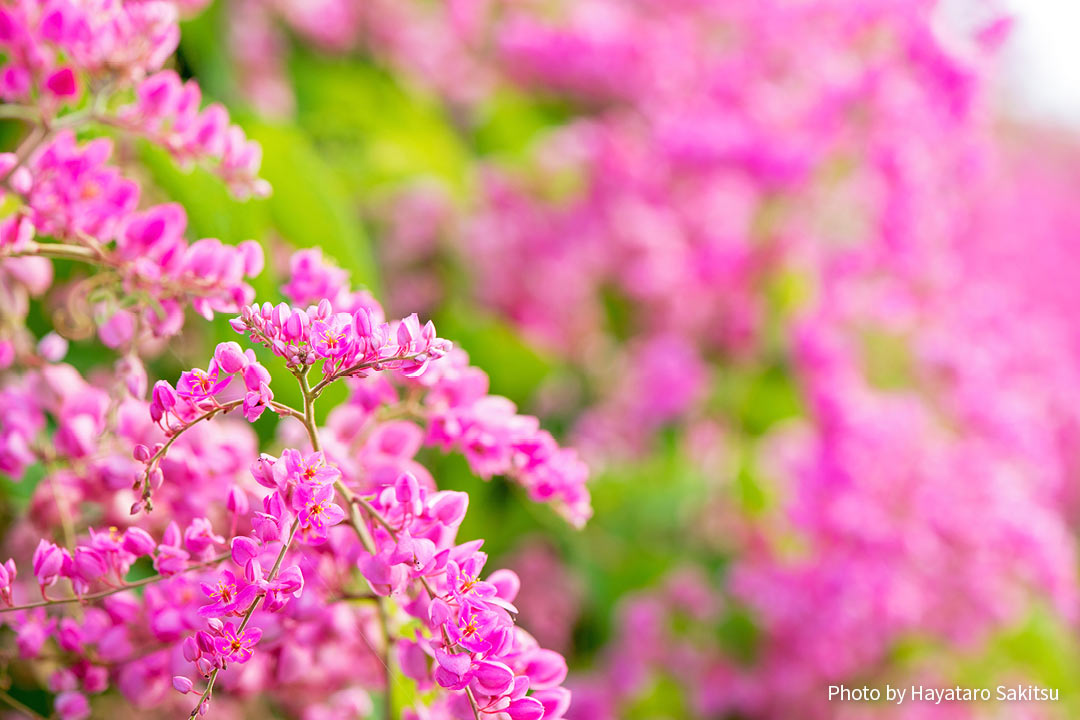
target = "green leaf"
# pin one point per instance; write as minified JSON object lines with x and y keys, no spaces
{"x":310,"y":207}
{"x":375,"y":131}
{"x":516,"y":368}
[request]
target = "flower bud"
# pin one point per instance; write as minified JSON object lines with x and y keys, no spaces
{"x":280,"y":314}
{"x":230,"y":357}
{"x":255,"y":375}
{"x":141,"y":453}
{"x":205,"y":642}
{"x":164,"y":395}
{"x":295,"y":325}
{"x":263,"y":471}
{"x":48,"y":562}
{"x":244,"y":549}
{"x":237,"y":502}
{"x":52,"y":347}
{"x":95,"y":679}
{"x":363,"y":322}
{"x":72,"y":705}
{"x":138,"y":542}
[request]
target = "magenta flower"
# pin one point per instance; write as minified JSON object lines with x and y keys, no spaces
{"x":310,"y":470}
{"x":231,"y":596}
{"x":71,"y":705}
{"x":7,"y":578}
{"x":62,"y":84}
{"x":198,"y":384}
{"x":170,"y":560}
{"x":255,"y":376}
{"x":452,"y":669}
{"x":49,"y":562}
{"x":256,"y":402}
{"x":138,"y":542}
{"x":475,"y":629}
{"x":419,"y":554}
{"x":530,"y":708}
{"x":88,"y":564}
{"x":262,"y":469}
{"x":385,"y":576}
{"x":316,"y":508}
{"x":332,"y":339}
{"x":288,"y":583}
{"x":492,"y":678}
{"x":230,"y":357}
{"x":199,"y":537}
{"x":464,"y":579}
{"x":236,"y":647}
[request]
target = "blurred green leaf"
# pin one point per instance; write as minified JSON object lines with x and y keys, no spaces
{"x":309,"y":206}
{"x":375,"y":131}
{"x":516,"y":368}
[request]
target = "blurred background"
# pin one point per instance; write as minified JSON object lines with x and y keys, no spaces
{"x":798,"y":278}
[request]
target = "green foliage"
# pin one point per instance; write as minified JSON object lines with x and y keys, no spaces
{"x":516,"y":369}
{"x":374,"y":130}
{"x":757,"y":396}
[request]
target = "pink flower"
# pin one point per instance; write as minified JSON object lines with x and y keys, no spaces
{"x":244,"y":550}
{"x":62,"y":84}
{"x":332,"y":339}
{"x":118,"y":330}
{"x":288,"y":583}
{"x":256,"y":402}
{"x":50,"y":562}
{"x":231,"y":596}
{"x":7,"y":578}
{"x":230,"y":357}
{"x":52,"y":347}
{"x":71,"y":705}
{"x":316,"y":508}
{"x":238,"y":648}
{"x":170,"y":560}
{"x":199,"y":384}
{"x":138,"y":542}
{"x":199,"y":537}
{"x":310,"y":470}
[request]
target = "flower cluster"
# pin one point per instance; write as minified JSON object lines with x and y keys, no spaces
{"x":167,"y":110}
{"x":298,"y":531}
{"x":66,"y":64}
{"x":106,"y":557}
{"x":49,"y":45}
{"x":496,"y":440}
{"x":301,"y":602}
{"x":410,"y":554}
{"x":449,"y":399}
{"x":71,"y":193}
{"x":474,"y":641}
{"x":347,"y":344}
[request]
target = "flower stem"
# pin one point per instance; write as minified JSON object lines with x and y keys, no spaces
{"x":225,"y":408}
{"x":358,"y":367}
{"x":247,"y":616}
{"x":58,"y":251}
{"x":358,"y":524}
{"x":111,"y":591}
